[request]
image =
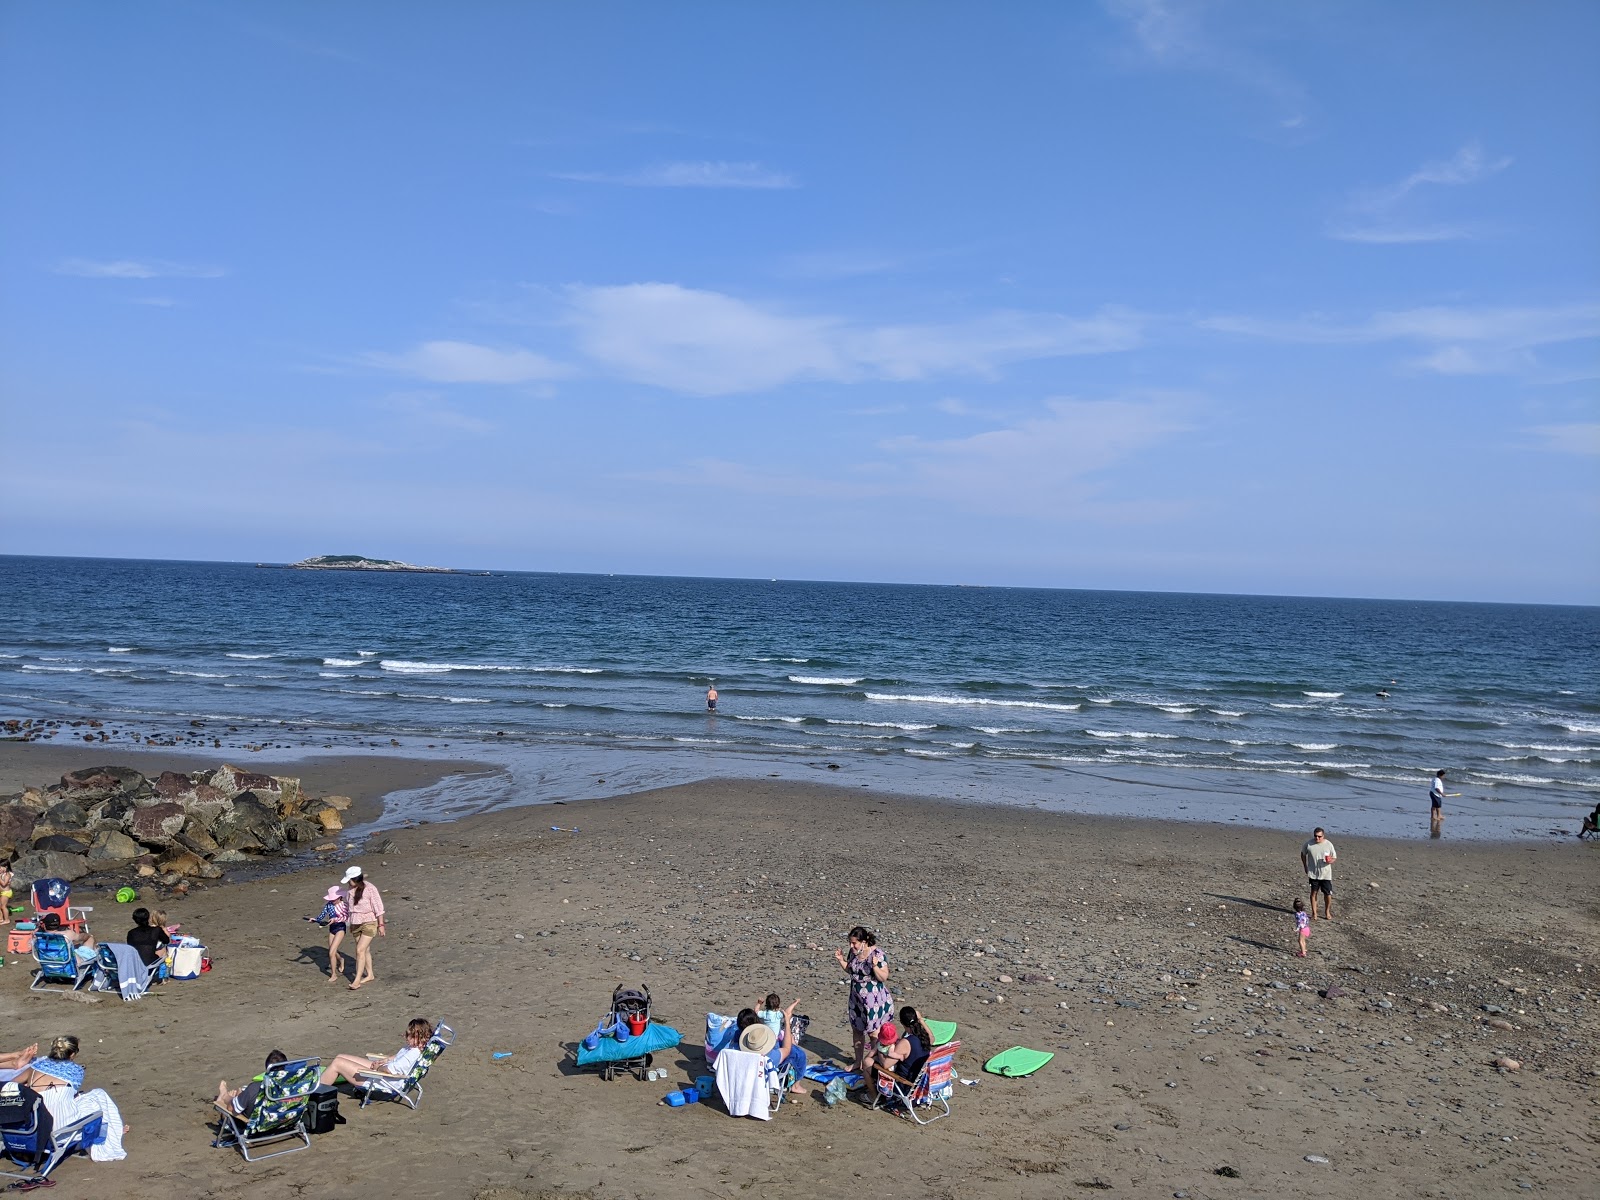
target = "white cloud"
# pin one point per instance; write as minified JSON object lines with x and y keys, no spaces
{"x":708,"y":343}
{"x":1464,"y":341}
{"x":1582,"y":437}
{"x":129,"y":268}
{"x":1381,"y":216}
{"x":466,"y":362}
{"x":748,"y":175}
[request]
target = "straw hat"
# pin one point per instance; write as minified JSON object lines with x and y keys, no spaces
{"x":758,"y":1039}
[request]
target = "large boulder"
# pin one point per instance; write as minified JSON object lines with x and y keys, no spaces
{"x":111,"y":849}
{"x":96,"y":783}
{"x":181,"y":862}
{"x":157,"y":824}
{"x":252,"y":826}
{"x":62,"y":817}
{"x":233,"y":780}
{"x":34,"y":799}
{"x":16,"y":826}
{"x":194,"y":837}
{"x":109,"y":813}
{"x":339,"y":802}
{"x":327,"y":817}
{"x":298,"y":829}
{"x":63,"y":843}
{"x":173,"y":785}
{"x":48,"y":864}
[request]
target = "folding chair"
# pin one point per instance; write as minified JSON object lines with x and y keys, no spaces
{"x":57,"y":963}
{"x":108,"y":976}
{"x":54,"y":896}
{"x":932,"y":1086}
{"x":734,"y":1071}
{"x":33,"y":1140}
{"x":282,"y":1109}
{"x":409,"y":1089}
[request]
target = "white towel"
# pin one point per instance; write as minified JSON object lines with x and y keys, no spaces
{"x":743,"y":1081}
{"x":66,"y":1106}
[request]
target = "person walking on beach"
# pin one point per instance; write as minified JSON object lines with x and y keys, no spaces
{"x":711,"y":698}
{"x":335,"y":915}
{"x":366,"y":922}
{"x":870,"y":1003}
{"x":1302,"y":926}
{"x":1436,"y":798}
{"x":1318,"y":857}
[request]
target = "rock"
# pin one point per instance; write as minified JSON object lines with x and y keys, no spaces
{"x":172,"y":785}
{"x":1247,"y":973}
{"x":1508,"y":1064}
{"x":251,"y":825}
{"x":298,"y":829}
{"x":110,"y":813}
{"x":182,"y":863}
{"x":328,"y":818}
{"x":46,"y":864}
{"x":193,"y":836}
{"x":16,"y":826}
{"x":205,"y":805}
{"x":1500,"y":1023}
{"x":96,"y":783}
{"x":325,"y":847}
{"x":62,"y":843}
{"x":146,"y":870}
{"x":157,"y":824}
{"x":1316,"y":1158}
{"x":34,"y":800}
{"x":1372,"y":885}
{"x":231,"y":781}
{"x":65,"y":816}
{"x":339,"y":802}
{"x":111,"y":849}
{"x":1004,"y":979}
{"x":232,"y":858}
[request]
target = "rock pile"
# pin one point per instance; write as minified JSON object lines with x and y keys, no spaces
{"x":113,"y":819}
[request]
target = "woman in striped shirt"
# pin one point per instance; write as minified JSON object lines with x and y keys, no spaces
{"x":366,"y":922}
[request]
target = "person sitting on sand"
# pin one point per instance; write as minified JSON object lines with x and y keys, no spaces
{"x":394,"y":1066}
{"x":241,"y":1100}
{"x":780,"y":1048}
{"x":149,"y":940}
{"x":84,"y":947}
{"x":57,"y":1078}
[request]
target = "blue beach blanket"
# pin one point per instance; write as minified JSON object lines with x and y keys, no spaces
{"x":827,"y":1073}
{"x":656,"y":1037}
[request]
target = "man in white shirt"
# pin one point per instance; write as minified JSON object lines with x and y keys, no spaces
{"x":1318,"y":857}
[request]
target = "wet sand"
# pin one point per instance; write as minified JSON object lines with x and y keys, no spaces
{"x":1123,"y":946}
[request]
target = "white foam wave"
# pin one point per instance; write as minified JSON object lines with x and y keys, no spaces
{"x":1132,"y":733}
{"x":1227,"y":712}
{"x":1504,"y":758}
{"x":843,"y":680}
{"x":341,"y":662}
{"x":367,"y":653}
{"x":332,"y":675}
{"x":997,"y":730}
{"x":927,"y":753}
{"x":1510,"y":778}
{"x":240,"y":654}
{"x":1339,"y":766}
{"x":53,"y":670}
{"x":1563,"y":749}
{"x":908,"y":727}
{"x":938,"y":699}
{"x":200,"y":674}
{"x":1142,"y":753}
{"x":961,"y":745}
{"x":1177,"y":710}
{"x":1099,"y":700}
{"x":1314,"y":745}
{"x":404,"y":666}
{"x":1323,"y":695}
{"x":119,"y":649}
{"x":550,"y":704}
{"x":1580,"y":726}
{"x":450,"y":699}
{"x":542,"y":670}
{"x":1275,"y":704}
{"x":784,"y":720}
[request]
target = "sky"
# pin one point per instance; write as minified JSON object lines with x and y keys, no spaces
{"x":1216,"y":296}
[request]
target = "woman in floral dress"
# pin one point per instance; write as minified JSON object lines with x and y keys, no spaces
{"x":870,"y":1002}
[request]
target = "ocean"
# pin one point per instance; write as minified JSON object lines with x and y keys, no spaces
{"x":1246,"y":708}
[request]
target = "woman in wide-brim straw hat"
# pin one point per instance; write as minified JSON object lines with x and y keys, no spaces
{"x":366,"y":922}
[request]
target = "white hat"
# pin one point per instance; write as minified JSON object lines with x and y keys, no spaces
{"x":351,"y":872}
{"x":758,"y":1038}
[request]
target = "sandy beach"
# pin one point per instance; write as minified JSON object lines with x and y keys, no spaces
{"x":1153,"y":959}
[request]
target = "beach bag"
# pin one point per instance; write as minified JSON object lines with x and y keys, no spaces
{"x":16,"y":1107}
{"x":325,"y":1110}
{"x":187,"y":961}
{"x":720,"y":1032}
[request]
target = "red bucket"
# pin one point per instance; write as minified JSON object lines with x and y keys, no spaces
{"x":636,"y":1024}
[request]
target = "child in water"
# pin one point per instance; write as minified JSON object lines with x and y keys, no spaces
{"x":1302,"y":926}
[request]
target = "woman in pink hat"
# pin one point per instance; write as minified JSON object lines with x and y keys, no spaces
{"x":335,"y":915}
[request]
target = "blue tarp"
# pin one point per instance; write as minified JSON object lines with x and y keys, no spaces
{"x":655,"y":1038}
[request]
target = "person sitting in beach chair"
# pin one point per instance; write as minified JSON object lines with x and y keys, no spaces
{"x":59,"y":962}
{"x":33,"y":1139}
{"x":279,"y":1109}
{"x":932,"y":1086}
{"x":1591,"y":824}
{"x":397,"y":1075}
{"x":120,"y":969}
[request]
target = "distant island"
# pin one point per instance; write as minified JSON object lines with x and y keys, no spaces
{"x":359,"y":562}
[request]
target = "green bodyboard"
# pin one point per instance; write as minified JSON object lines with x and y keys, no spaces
{"x":1017,"y":1062}
{"x":941,"y":1031}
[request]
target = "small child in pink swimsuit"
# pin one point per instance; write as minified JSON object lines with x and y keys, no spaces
{"x":1302,"y":925}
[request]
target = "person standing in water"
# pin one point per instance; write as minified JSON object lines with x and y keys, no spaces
{"x":1436,"y":798}
{"x":711,"y":698}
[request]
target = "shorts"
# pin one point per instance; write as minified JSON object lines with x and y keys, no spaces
{"x":365,"y":929}
{"x":337,"y":926}
{"x":1437,"y":803}
{"x":711,"y":706}
{"x":1325,"y":886}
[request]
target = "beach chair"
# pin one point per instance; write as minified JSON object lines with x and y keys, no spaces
{"x":109,"y":976}
{"x":54,"y":896}
{"x":408,"y":1090}
{"x":282,"y":1111}
{"x":57,"y":963}
{"x":931,"y":1088}
{"x":742,"y":1077}
{"x":33,"y":1140}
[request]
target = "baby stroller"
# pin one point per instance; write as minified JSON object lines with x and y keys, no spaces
{"x":625,"y":1039}
{"x":631,"y":1006}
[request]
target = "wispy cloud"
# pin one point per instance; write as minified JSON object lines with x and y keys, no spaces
{"x":1462,"y":341}
{"x":134,"y":268}
{"x":1581,"y":437}
{"x":1386,"y":215}
{"x":1174,"y":34}
{"x":431,"y":408}
{"x":749,"y":175}
{"x":467,"y":362}
{"x":709,"y":343}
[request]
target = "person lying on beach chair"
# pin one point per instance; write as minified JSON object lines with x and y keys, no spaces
{"x":243,"y":1099}
{"x":278,"y":1110}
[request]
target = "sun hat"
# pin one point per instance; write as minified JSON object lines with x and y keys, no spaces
{"x":758,"y":1038}
{"x":332,"y":893}
{"x":351,"y":872}
{"x":888,"y":1035}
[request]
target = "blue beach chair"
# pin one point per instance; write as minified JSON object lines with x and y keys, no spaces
{"x":108,"y":978}
{"x":57,"y":962}
{"x":407,"y":1090}
{"x":282,"y":1110}
{"x":34,"y":1141}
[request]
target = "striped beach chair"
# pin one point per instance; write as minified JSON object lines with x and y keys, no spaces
{"x":932,"y":1088}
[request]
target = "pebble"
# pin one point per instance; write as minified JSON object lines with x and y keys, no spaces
{"x":1508,"y":1064}
{"x":1317,"y":1158}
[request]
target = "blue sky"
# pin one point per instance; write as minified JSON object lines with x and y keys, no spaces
{"x":1239,"y":297}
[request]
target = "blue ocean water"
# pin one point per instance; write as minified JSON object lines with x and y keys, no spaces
{"x":1228,"y":707}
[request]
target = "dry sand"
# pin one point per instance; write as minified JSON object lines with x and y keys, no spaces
{"x":1170,"y":1061}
